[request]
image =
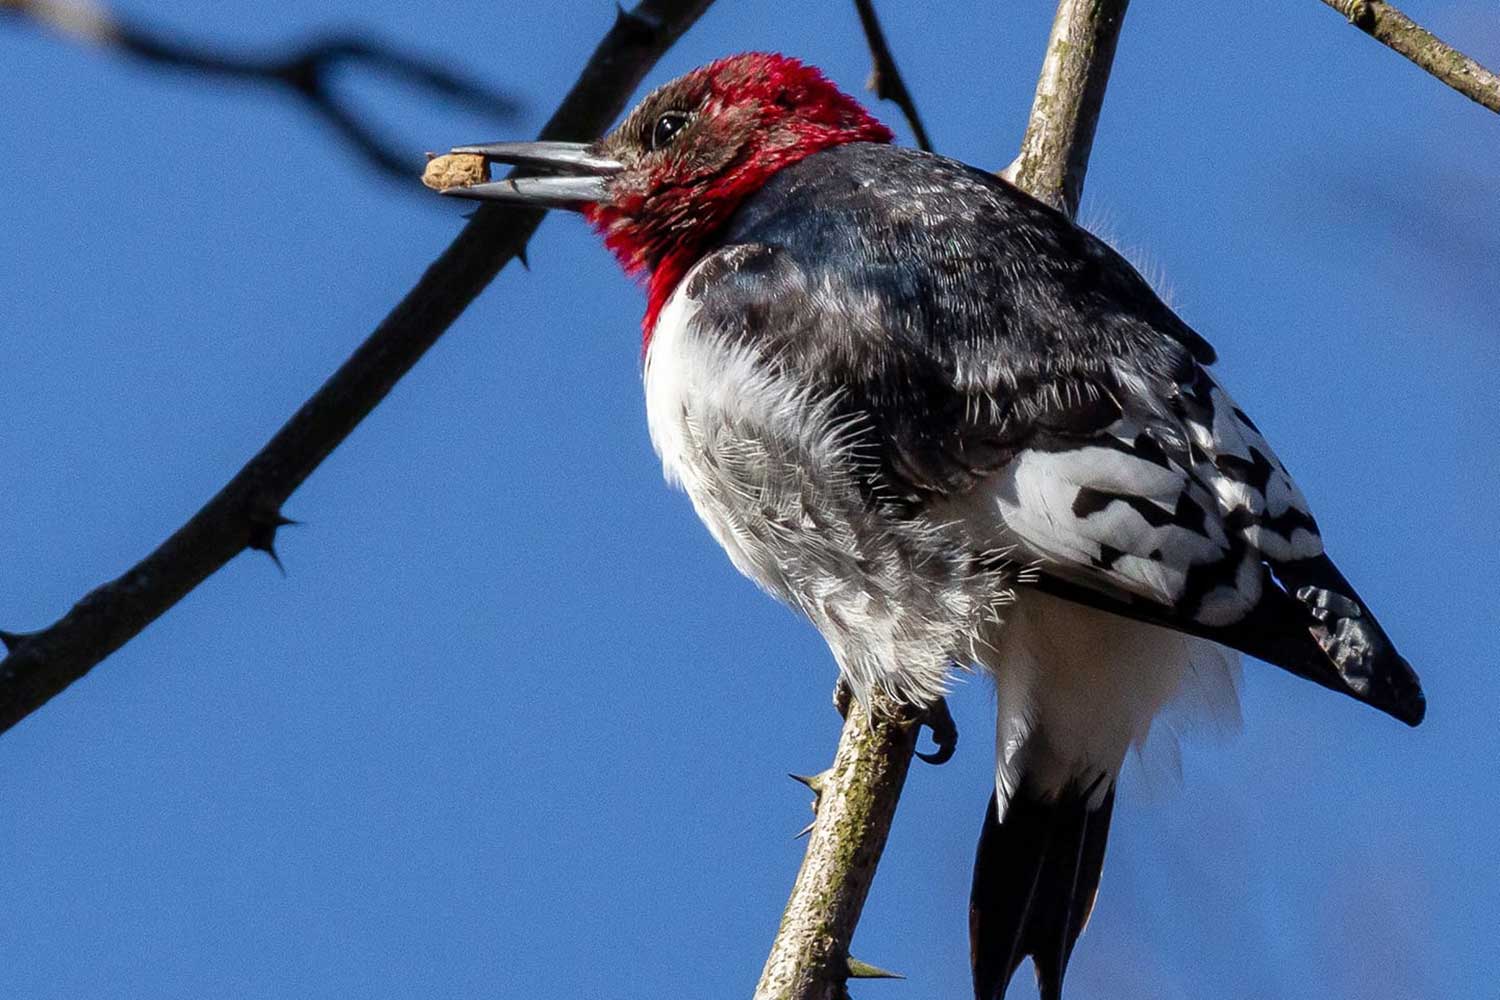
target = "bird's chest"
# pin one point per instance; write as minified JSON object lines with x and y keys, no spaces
{"x":759,"y":451}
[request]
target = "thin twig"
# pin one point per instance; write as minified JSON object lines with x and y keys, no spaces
{"x":885,"y":79}
{"x":1386,"y":24}
{"x":1060,"y":134}
{"x":858,"y":795}
{"x":245,"y":512}
{"x":306,"y":73}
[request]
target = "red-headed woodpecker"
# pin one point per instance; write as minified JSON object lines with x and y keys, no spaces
{"x":953,"y":428}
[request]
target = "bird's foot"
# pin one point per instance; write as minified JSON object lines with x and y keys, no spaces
{"x":937,"y":718}
{"x":843,"y":697}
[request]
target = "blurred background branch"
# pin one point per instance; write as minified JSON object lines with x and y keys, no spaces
{"x":246,"y":512}
{"x":305,"y":71}
{"x":1389,"y":26}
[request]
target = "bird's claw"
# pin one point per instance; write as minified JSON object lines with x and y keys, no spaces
{"x":935,"y":717}
{"x":944,"y":732}
{"x":843,"y":697}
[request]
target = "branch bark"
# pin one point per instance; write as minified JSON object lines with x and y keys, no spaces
{"x":1389,"y":26}
{"x":858,"y":795}
{"x":246,"y":512}
{"x":1060,"y":134}
{"x":856,"y":802}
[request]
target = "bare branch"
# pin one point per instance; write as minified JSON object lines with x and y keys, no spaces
{"x":856,"y":803}
{"x":1386,"y":24}
{"x":246,"y":511}
{"x":305,"y":73}
{"x":885,"y":79}
{"x":1060,"y":134}
{"x":858,"y":795}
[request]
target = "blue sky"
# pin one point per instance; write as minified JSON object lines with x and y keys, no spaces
{"x":511,"y":726}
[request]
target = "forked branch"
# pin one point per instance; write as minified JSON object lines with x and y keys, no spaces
{"x":305,"y":71}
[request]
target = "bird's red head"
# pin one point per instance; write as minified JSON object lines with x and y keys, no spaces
{"x":665,"y":182}
{"x":698,"y":146}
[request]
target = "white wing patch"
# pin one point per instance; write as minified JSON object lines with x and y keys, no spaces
{"x":1252,"y":479}
{"x":1181,"y":505}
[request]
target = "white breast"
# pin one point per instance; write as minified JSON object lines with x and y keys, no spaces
{"x":704,"y":391}
{"x":672,"y":377}
{"x":720,"y":420}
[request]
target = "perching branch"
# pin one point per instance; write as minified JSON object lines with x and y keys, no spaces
{"x":306,"y":73}
{"x":857,"y":796}
{"x":1386,"y":24}
{"x":885,"y":80}
{"x":856,"y":802}
{"x":246,"y":512}
{"x":1060,"y":134}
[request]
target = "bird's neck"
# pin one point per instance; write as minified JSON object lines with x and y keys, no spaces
{"x":664,"y":279}
{"x":667,"y":257}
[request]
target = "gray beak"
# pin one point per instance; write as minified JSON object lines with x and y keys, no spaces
{"x":584,"y":183}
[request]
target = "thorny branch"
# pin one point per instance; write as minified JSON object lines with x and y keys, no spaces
{"x":857,"y":796}
{"x":885,"y":80}
{"x":306,"y":73}
{"x":1386,"y":24}
{"x":1060,"y":133}
{"x":246,"y":512}
{"x":856,"y":802}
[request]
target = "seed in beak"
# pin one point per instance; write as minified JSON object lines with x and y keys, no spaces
{"x":453,"y":170}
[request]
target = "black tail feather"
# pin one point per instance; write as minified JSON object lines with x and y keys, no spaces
{"x":1035,"y":878}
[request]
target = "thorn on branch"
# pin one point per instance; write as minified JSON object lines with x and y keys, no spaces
{"x":864,"y":970}
{"x":263,"y":528}
{"x":817,"y":782}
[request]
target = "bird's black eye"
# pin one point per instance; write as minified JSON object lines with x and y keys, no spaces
{"x":666,"y":129}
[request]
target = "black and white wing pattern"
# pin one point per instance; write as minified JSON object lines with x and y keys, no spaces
{"x":1178,"y":501}
{"x":1009,"y":370}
